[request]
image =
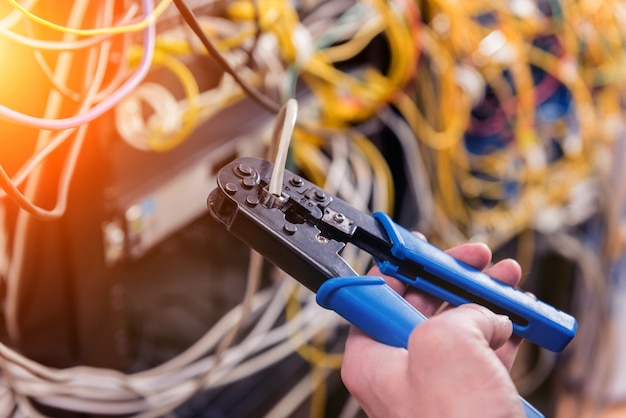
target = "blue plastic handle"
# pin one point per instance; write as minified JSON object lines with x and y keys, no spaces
{"x":372,"y":306}
{"x":457,"y":283}
{"x":375,"y":308}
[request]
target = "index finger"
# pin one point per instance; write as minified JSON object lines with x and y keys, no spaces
{"x":476,"y":255}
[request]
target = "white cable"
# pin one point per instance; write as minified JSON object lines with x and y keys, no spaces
{"x":281,"y":137}
{"x":75,"y":377}
{"x":248,"y":347}
{"x":351,"y":408}
{"x":366,"y":183}
{"x":234,"y":356}
{"x":104,"y":375}
{"x":7,"y":401}
{"x":325,"y":16}
{"x":343,"y":153}
{"x":45,"y":68}
{"x":338,"y":168}
{"x":73,"y":374}
{"x":267,"y":58}
{"x":278,"y":352}
{"x":221,"y":376}
{"x":300,"y":392}
{"x":129,"y":115}
{"x":413,"y":163}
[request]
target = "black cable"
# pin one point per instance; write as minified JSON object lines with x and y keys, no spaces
{"x":193,"y":24}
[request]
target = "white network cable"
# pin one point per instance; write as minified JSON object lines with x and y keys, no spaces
{"x":281,"y":138}
{"x":86,"y":389}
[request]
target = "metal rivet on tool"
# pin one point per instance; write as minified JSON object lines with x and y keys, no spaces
{"x":244,"y":170}
{"x":248,"y":182}
{"x":231,"y":188}
{"x":296,"y":181}
{"x":319,"y":195}
{"x":290,"y":228}
{"x":339,"y":217}
{"x":252,"y":201}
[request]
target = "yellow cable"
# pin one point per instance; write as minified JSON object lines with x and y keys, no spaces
{"x":431,"y":113}
{"x":353,"y":97}
{"x":344,"y":97}
{"x":163,"y":142}
{"x":182,"y":47}
{"x":318,"y":378}
{"x":356,"y":44}
{"x":306,"y":156}
{"x":274,"y":16}
{"x":450,"y":136}
{"x":134,"y":27}
{"x":403,"y":50}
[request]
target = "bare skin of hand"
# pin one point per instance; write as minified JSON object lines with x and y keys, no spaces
{"x":457,"y":363}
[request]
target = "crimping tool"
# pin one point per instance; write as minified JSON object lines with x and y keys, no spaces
{"x":304,"y":230}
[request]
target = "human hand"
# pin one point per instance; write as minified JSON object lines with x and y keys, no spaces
{"x":457,"y":363}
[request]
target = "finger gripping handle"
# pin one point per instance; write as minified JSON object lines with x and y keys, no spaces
{"x":376,"y":309}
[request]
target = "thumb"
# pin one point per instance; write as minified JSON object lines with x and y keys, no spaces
{"x":460,"y":358}
{"x":466,"y":324}
{"x":496,"y":329}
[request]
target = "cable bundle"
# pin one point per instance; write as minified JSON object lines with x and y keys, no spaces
{"x":506,"y":108}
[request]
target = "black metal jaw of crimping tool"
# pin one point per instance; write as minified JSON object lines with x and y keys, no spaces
{"x":302,"y":231}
